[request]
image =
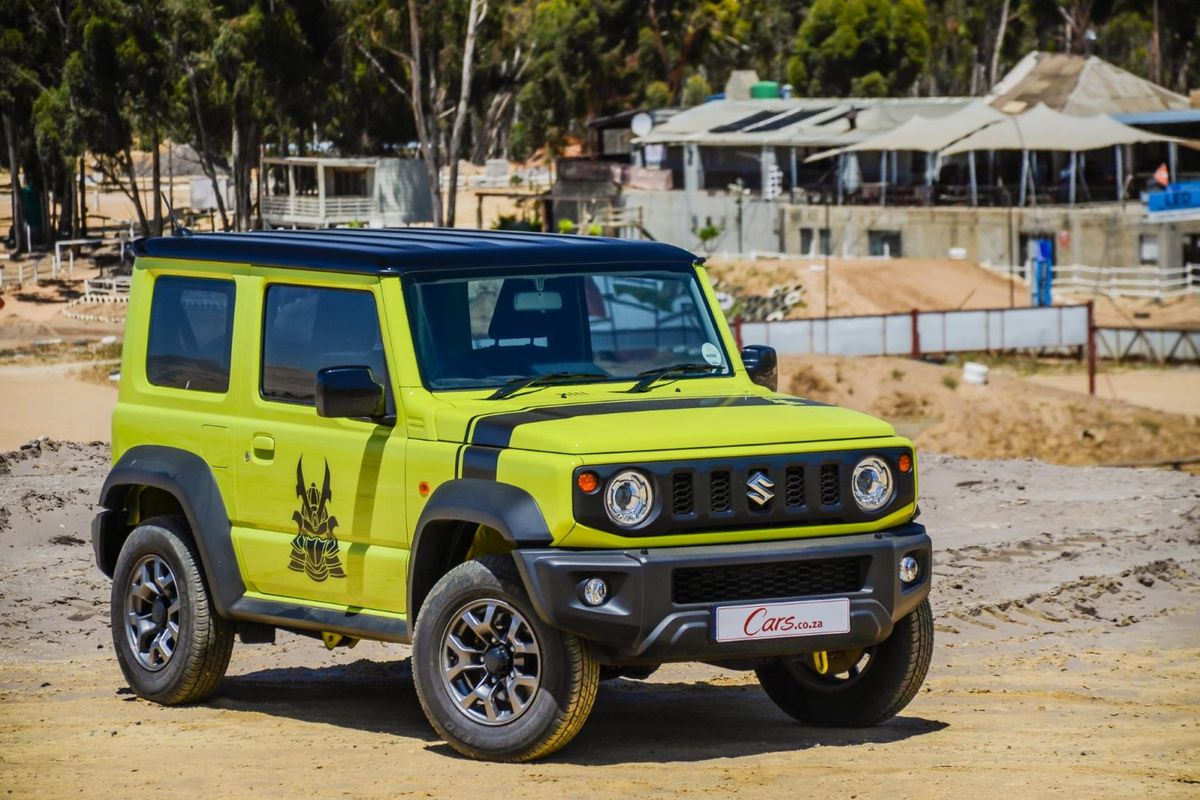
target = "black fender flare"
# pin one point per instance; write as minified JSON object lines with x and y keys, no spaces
{"x":189,"y":479}
{"x":508,"y":509}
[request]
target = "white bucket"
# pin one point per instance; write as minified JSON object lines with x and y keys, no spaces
{"x":976,"y":373}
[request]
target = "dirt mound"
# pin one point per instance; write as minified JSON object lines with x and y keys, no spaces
{"x":1009,"y":418}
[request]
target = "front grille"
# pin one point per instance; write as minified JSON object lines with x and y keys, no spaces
{"x":830,"y":491}
{"x":768,"y":581}
{"x":794,"y":487}
{"x":683,"y":498}
{"x":719,"y":497}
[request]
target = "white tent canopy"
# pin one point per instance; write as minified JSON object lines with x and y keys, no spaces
{"x":924,"y":134}
{"x":1042,"y":128}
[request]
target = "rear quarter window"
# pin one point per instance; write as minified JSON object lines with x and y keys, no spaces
{"x":191,"y":333}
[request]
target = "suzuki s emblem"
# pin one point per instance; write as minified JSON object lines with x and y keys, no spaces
{"x":759,"y":487}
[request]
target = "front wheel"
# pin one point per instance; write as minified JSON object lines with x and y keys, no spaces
{"x":855,"y":688}
{"x":495,"y":681}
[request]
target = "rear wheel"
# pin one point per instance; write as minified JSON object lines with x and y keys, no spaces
{"x":855,"y":688}
{"x":170,"y":643}
{"x":495,"y":681}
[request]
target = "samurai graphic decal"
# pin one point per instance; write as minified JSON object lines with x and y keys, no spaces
{"x":315,"y":549}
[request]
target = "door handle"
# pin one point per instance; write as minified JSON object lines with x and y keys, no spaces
{"x":263,"y":447}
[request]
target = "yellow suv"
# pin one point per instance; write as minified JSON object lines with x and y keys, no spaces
{"x":541,"y":460}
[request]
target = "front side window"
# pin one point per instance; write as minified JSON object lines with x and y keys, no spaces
{"x":191,"y":333}
{"x":306,"y":329}
{"x":479,"y":332}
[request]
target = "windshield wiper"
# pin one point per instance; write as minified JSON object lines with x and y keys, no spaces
{"x":550,"y":378}
{"x":652,"y":376}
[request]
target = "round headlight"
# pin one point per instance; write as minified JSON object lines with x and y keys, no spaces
{"x":628,"y":498}
{"x":872,"y":483}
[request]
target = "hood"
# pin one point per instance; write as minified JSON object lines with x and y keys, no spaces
{"x":655,"y":424}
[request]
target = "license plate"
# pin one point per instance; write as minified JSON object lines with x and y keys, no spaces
{"x":782,"y":620}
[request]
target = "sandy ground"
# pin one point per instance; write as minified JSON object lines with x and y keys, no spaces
{"x":902,"y":284}
{"x":1067,"y":664}
{"x":1175,"y":391}
{"x":1014,"y":416}
{"x":46,"y":400}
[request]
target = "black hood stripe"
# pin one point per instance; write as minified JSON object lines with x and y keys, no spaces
{"x":497,"y":430}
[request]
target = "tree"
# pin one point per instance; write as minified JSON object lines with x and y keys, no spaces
{"x":846,"y":47}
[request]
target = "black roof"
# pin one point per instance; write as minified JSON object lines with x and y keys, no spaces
{"x":397,"y":250}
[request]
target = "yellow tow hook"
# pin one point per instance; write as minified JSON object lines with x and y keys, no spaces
{"x":332,"y":640}
{"x":820,"y":661}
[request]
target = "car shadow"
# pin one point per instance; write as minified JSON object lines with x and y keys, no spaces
{"x":632,"y":722}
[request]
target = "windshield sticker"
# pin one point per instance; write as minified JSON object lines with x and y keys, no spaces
{"x":314,"y":548}
{"x":711,"y":354}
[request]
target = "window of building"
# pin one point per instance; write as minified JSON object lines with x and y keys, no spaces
{"x":884,"y":243}
{"x":191,"y":333}
{"x":806,"y":241}
{"x":306,"y":329}
{"x":1148,"y":248}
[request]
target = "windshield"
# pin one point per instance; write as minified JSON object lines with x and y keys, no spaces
{"x":482,"y":331}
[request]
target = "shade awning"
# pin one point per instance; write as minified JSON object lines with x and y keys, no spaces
{"x":1042,"y":128}
{"x":923,"y":133}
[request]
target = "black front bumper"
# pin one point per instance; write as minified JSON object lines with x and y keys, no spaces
{"x":644,"y":622}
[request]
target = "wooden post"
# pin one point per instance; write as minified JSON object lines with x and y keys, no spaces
{"x":1091,"y":347}
{"x":916,"y":333}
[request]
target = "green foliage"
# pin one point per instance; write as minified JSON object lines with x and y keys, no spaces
{"x":695,"y":91}
{"x":878,"y":47}
{"x":658,"y":94}
{"x":950,"y":382}
{"x":566,"y":225}
{"x":708,"y":236}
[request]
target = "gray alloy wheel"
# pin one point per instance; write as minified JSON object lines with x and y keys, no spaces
{"x":171,"y":644}
{"x":152,"y":612}
{"x":494,"y":680}
{"x":491,"y":662}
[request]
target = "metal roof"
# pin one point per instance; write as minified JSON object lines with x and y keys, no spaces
{"x":398,"y":250}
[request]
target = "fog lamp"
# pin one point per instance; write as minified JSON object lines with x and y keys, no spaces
{"x":910,"y":570}
{"x":595,"y":591}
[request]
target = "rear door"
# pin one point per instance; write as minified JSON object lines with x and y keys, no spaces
{"x":321,"y":506}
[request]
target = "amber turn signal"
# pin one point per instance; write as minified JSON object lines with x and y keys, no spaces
{"x":905,"y":463}
{"x":588,"y":482}
{"x":423,"y":488}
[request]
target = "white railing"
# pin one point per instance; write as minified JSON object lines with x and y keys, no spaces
{"x":309,"y":209}
{"x":1145,"y":281}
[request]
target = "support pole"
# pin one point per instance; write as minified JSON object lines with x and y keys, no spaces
{"x":974,"y":183}
{"x":1071,"y":191}
{"x":1024,"y":176}
{"x":883,"y":177}
{"x":916,"y":333}
{"x":841,"y":166}
{"x":1173,"y":160}
{"x":793,"y":166}
{"x":1120,"y":176}
{"x":1091,"y":347}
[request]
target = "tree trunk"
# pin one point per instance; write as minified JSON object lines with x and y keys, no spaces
{"x":239,"y":206}
{"x":83,"y":228}
{"x":156,"y":183}
{"x":135,"y":195}
{"x":475,"y":15}
{"x":68,"y":202}
{"x":206,"y":161}
{"x":14,"y":171}
{"x":999,"y":43}
{"x":425,"y":133}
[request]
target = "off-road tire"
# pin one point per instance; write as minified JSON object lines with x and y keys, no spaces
{"x":569,"y":674}
{"x":885,"y":687}
{"x":205,"y":639}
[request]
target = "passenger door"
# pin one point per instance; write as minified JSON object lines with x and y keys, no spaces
{"x":321,"y":505}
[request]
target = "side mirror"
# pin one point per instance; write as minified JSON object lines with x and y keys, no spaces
{"x":762,"y":364}
{"x":348,"y":392}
